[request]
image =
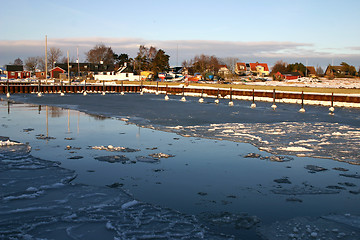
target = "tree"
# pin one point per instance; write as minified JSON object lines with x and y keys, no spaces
{"x":319,"y":71}
{"x":347,"y":69}
{"x":160,"y":63}
{"x":297,"y":67}
{"x":41,"y":63}
{"x":121,"y":59}
{"x":18,"y":61}
{"x":205,"y":64}
{"x":145,"y":57}
{"x":230,"y":62}
{"x":279,"y":66}
{"x":31,"y":64}
{"x":100,"y":53}
{"x":54,"y":55}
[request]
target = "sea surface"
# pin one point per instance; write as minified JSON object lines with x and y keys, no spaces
{"x":221,"y":171}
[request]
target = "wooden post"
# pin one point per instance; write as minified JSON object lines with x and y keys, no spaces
{"x":274,"y":97}
{"x":302,"y":109}
{"x":332,"y":109}
{"x":253,"y":105}
{"x":231,"y":103}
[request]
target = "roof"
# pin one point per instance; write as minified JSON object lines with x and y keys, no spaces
{"x":222,"y":66}
{"x":14,"y":68}
{"x":254,"y":65}
{"x":57,"y":68}
{"x":86,"y":67}
{"x":311,"y":70}
{"x":241,"y":64}
{"x":290,"y":73}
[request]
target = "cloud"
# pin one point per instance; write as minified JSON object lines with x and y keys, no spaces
{"x":265,"y":51}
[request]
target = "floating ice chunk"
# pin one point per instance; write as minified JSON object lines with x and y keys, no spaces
{"x":109,"y":226}
{"x":24,"y":196}
{"x":9,"y":143}
{"x":129,"y":204}
{"x":294,"y":149}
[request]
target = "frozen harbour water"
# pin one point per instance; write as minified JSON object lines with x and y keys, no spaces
{"x":204,"y":167}
{"x":38,"y":201}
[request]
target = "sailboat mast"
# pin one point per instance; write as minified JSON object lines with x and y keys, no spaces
{"x":46,"y":59}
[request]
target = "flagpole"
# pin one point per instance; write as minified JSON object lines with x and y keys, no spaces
{"x":46,"y":59}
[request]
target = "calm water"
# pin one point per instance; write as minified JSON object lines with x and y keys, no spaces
{"x":203,"y":176}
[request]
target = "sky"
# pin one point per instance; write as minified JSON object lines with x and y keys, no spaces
{"x":313,"y":32}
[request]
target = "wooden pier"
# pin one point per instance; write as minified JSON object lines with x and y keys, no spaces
{"x":24,"y":88}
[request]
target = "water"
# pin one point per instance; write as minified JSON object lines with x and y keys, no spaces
{"x":205,"y":176}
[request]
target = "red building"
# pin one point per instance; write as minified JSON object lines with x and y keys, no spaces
{"x":40,"y":75}
{"x":287,"y":76}
{"x":55,"y":72}
{"x":16,"y":72}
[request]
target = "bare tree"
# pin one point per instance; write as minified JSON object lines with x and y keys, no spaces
{"x":319,"y":71}
{"x":205,"y":63}
{"x":54,"y":55}
{"x":279,"y":66}
{"x":100,"y":53}
{"x":18,"y":61}
{"x":230,"y":62}
{"x":41,"y":63}
{"x":31,"y":64}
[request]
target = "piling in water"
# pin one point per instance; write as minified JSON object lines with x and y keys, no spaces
{"x":274,"y":97}
{"x":253,"y":105}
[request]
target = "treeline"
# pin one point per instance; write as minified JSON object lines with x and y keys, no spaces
{"x":148,"y":59}
{"x":156,"y":60}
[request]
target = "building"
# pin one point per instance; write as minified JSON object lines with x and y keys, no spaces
{"x":256,"y":69}
{"x":335,"y":70}
{"x":124,"y":73}
{"x":40,"y":75}
{"x":287,"y":75}
{"x":241,"y":69}
{"x":311,"y":72}
{"x":16,"y":72}
{"x":55,"y":72}
{"x":259,"y":69}
{"x":224,"y":71}
{"x":87,"y":69}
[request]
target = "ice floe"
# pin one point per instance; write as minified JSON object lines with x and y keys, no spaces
{"x":41,"y":203}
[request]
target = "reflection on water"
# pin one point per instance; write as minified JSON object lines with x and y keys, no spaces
{"x":203,"y":176}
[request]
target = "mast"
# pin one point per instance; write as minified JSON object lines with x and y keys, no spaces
{"x":77,"y":53}
{"x":68,"y":63}
{"x":46,"y":59}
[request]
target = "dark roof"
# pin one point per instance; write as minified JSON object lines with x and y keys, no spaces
{"x":87,"y":67}
{"x":311,"y":70}
{"x":15,"y":68}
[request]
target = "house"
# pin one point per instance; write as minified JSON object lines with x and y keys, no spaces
{"x":311,"y":72}
{"x":55,"y":72}
{"x":241,"y":68}
{"x":259,"y":69}
{"x":256,"y":69}
{"x":124,"y":73}
{"x":223,"y":70}
{"x":2,"y":73}
{"x":287,"y":75}
{"x":40,"y":75}
{"x":335,"y":70}
{"x":16,"y":72}
{"x":87,"y":69}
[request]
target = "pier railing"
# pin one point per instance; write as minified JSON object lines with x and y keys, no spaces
{"x":19,"y":88}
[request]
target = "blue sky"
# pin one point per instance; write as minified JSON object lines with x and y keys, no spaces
{"x":319,"y":32}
